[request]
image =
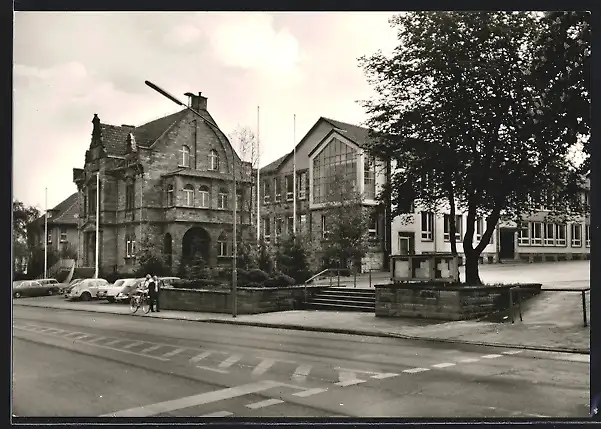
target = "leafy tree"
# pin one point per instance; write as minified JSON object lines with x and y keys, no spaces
{"x":347,"y":223}
{"x":265,"y":257}
{"x":458,"y":113}
{"x":293,"y":258}
{"x":246,"y":145}
{"x":22,"y":216}
{"x":35,"y":263}
{"x":247,"y":253}
{"x":150,"y":259}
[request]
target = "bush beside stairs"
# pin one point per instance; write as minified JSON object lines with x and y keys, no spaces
{"x":344,"y":299}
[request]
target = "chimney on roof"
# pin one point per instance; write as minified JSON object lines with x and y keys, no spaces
{"x":197,"y":102}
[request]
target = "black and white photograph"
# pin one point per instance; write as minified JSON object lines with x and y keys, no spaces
{"x":220,"y":216}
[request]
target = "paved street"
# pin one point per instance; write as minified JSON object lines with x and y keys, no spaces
{"x":72,"y":363}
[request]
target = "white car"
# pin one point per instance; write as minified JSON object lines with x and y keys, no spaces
{"x":111,"y":292}
{"x":87,"y":289}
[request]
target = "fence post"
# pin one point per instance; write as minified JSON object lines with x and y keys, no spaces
{"x":511,"y":304}
{"x":330,"y":272}
{"x":338,"y":274}
{"x":355,"y":277}
{"x":584,"y":308}
{"x":520,"y":303}
{"x":370,"y":277}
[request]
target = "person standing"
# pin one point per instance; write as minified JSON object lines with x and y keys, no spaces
{"x":152,"y":292}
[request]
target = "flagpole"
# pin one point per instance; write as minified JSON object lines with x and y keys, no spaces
{"x":45,"y":232}
{"x":258,"y":182}
{"x":97,"y":220}
{"x":294,"y":176}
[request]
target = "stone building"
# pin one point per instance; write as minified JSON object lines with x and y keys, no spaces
{"x":165,"y":185}
{"x":330,"y":154}
{"x":63,"y":236}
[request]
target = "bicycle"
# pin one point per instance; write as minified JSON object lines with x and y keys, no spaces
{"x":138,"y":300}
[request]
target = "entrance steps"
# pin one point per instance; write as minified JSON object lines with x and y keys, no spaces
{"x":344,"y":299}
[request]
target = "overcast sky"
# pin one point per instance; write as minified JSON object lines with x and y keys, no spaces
{"x":68,"y":66}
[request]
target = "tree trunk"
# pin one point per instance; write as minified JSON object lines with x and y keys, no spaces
{"x":452,"y":225}
{"x":472,"y":275}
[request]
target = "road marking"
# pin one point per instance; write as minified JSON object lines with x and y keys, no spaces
{"x":134,"y":344}
{"x":491,"y":356}
{"x":112,"y":343}
{"x":218,"y":414}
{"x":384,"y":375}
{"x":95,"y":340}
{"x":512,"y":352}
{"x":469,"y":360}
{"x":263,"y":366}
{"x":200,"y":357}
{"x":44,"y":330}
{"x":347,"y":377}
{"x":72,"y":333}
{"x":263,"y":404}
{"x":174,"y":352}
{"x":220,"y":371}
{"x":301,"y":372}
{"x":309,"y":392}
{"x":230,"y":361}
{"x":349,"y":382}
{"x":81,"y":337}
{"x":195,"y":400}
{"x":414,"y":370}
{"x":443,"y":365}
{"x":151,"y":349}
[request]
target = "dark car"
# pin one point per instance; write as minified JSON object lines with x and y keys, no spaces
{"x":34,"y":288}
{"x":65,"y":291}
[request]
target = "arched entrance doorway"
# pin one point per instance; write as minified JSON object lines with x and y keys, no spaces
{"x":196,"y":243}
{"x":168,"y":249}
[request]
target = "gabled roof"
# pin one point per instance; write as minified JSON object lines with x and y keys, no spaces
{"x":114,"y":138}
{"x":358,"y":135}
{"x":63,"y":213}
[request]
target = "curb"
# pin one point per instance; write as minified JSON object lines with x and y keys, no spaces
{"x":336,"y":331}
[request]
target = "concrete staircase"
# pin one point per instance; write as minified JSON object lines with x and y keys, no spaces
{"x":344,"y":299}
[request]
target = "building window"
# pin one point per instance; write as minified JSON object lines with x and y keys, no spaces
{"x":85,"y":205}
{"x":587,"y":231}
{"x":266,"y":191}
{"x":549,"y":234}
{"x":279,"y":226}
{"x":222,"y":245}
{"x":334,"y":172}
{"x":324,"y":227}
{"x":213,"y":160}
{"x":302,"y":223}
{"x":373,"y":226}
{"x":560,"y":235}
{"x":537,"y":233}
{"x":170,"y":193}
{"x":585,"y":198}
{"x":290,"y":225}
{"x":369,"y":178}
{"x":479,"y":228}
{"x":458,"y":227}
{"x":266,"y":229}
{"x":205,"y":196}
{"x":222,"y":199}
{"x":239,"y":199}
{"x":49,"y":238}
{"x":524,"y":234}
{"x":130,"y":246}
{"x":63,"y":237}
{"x":576,"y":233}
{"x":302,"y":185}
{"x":289,"y":187}
{"x":185,"y":151}
{"x":189,"y":195}
{"x":92,"y":201}
{"x":427,"y":226}
{"x":130,"y":195}
{"x":277,"y":189}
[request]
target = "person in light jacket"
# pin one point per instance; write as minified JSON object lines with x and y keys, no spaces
{"x":157,"y":293}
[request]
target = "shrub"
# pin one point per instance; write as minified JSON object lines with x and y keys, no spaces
{"x":253,"y":284}
{"x":280,"y":279}
{"x":257,"y":276}
{"x":195,"y":284}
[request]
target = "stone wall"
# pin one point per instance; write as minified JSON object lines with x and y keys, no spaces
{"x":250,"y":300}
{"x":443,"y":302}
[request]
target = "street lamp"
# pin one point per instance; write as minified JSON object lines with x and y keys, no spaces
{"x":235,"y":193}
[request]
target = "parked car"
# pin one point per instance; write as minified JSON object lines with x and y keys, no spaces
{"x":34,"y":288}
{"x":65,"y":291}
{"x":48,"y":281}
{"x":167,"y":281}
{"x":128,"y":290}
{"x":87,"y":289}
{"x":111,"y":291}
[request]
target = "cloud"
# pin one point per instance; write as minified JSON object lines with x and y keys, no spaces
{"x":183,"y":34}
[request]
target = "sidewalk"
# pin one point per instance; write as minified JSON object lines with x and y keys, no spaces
{"x":533,"y":334}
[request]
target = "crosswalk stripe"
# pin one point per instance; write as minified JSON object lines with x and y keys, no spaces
{"x":134,"y":344}
{"x":349,"y":382}
{"x":151,"y":349}
{"x":309,"y":392}
{"x":414,"y":370}
{"x":111,"y":343}
{"x":512,"y":352}
{"x":263,"y":366}
{"x":301,"y":372}
{"x":384,"y":375}
{"x":230,"y":361}
{"x":263,"y":404}
{"x":218,"y":414}
{"x":220,"y":371}
{"x":490,"y":356}
{"x":469,"y":360}
{"x":200,"y":356}
{"x":81,"y":337}
{"x":174,"y":352}
{"x":443,"y":365}
{"x":95,"y":340}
